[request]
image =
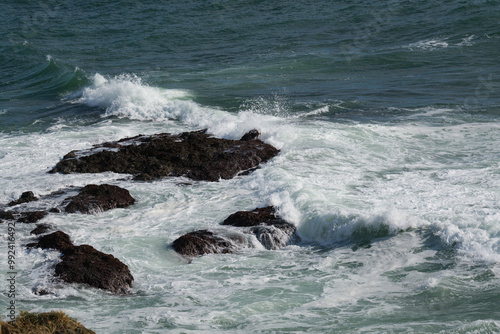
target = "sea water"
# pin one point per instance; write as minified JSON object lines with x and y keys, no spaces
{"x":386,"y":115}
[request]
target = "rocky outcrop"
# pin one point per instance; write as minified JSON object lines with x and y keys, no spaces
{"x":195,"y":155}
{"x":30,"y":217}
{"x":26,"y":197}
{"x":85,"y":265}
{"x":207,"y":242}
{"x":40,"y":229}
{"x":98,"y":198}
{"x":272,"y":231}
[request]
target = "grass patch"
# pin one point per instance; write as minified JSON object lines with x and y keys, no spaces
{"x":55,"y":322}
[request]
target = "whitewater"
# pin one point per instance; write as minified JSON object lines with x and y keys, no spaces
{"x":395,"y":219}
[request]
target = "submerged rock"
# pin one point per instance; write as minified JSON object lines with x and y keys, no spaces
{"x":86,"y":265}
{"x":7,"y":215}
{"x":195,"y":155}
{"x":40,"y":229}
{"x":26,"y":197}
{"x":98,"y":198}
{"x":272,"y":231}
{"x":207,"y":242}
{"x":30,"y":217}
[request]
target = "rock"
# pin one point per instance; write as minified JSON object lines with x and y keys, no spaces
{"x":31,"y":216}
{"x":272,"y":232}
{"x":195,"y":155}
{"x":40,"y":229}
{"x":7,"y":215}
{"x":98,"y":198}
{"x":207,"y":242}
{"x":255,"y":217}
{"x":84,"y":264}
{"x":57,"y":240}
{"x":250,"y":135}
{"x":26,"y":197}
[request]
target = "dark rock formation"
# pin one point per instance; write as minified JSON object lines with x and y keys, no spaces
{"x":84,"y":264}
{"x":271,"y":231}
{"x":7,"y":215}
{"x":57,"y":240}
{"x":255,"y":217}
{"x":26,"y":197}
{"x":207,"y":242}
{"x":31,"y":216}
{"x":98,"y":198}
{"x":40,"y":229}
{"x":195,"y":155}
{"x":252,"y":134}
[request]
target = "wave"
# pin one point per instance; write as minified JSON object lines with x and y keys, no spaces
{"x":127,"y":96}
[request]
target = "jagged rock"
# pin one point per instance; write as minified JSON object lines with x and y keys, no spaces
{"x":250,"y":135}
{"x":26,"y":197}
{"x":40,"y":229}
{"x":84,"y":264}
{"x":207,"y":242}
{"x":57,"y":240}
{"x":31,"y":216}
{"x":195,"y":155}
{"x":272,"y":232}
{"x":98,"y":198}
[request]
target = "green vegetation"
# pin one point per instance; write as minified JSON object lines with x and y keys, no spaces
{"x":55,"y":322}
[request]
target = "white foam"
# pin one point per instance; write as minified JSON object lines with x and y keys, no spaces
{"x":428,"y":44}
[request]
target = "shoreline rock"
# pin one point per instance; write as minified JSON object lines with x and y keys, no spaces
{"x":195,"y":155}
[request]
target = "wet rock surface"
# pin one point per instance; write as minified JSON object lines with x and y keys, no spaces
{"x":30,"y":217}
{"x":98,"y":198}
{"x":272,"y":231}
{"x":207,"y":242}
{"x":26,"y":197}
{"x":195,"y":155}
{"x":85,"y":265}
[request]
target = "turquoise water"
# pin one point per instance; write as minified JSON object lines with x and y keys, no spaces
{"x":387,"y":118}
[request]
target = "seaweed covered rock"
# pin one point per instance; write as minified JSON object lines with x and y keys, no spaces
{"x":272,"y":231}
{"x":195,"y":155}
{"x":207,"y":242}
{"x":85,"y":265}
{"x":98,"y":198}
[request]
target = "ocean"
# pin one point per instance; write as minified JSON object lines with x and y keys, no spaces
{"x":387,"y":117}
